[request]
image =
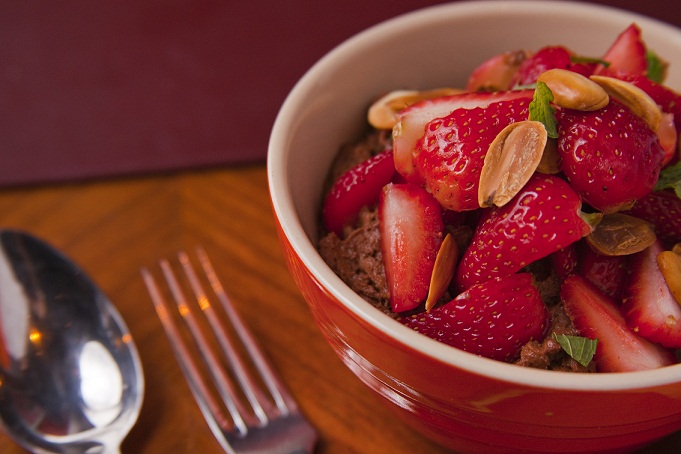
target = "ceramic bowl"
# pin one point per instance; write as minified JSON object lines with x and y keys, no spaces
{"x":465,"y":402}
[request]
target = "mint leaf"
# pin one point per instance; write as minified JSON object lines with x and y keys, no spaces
{"x":657,"y":68}
{"x":670,"y":178}
{"x":542,"y":110}
{"x":581,"y":349}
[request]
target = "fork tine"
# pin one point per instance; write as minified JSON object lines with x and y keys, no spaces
{"x":209,"y":407}
{"x":282,"y":399}
{"x":255,"y":397}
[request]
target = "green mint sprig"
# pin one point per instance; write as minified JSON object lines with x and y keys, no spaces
{"x":581,"y":349}
{"x":541,"y":109}
{"x":670,"y":178}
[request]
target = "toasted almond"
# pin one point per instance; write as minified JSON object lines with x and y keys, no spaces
{"x":574,"y":91}
{"x":443,"y":271}
{"x":669,"y":263}
{"x":511,"y":159}
{"x":381,"y":114}
{"x":550,"y":163}
{"x":633,"y":97}
{"x":677,"y":248}
{"x":621,"y":234}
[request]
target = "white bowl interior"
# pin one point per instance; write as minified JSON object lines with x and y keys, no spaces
{"x":433,"y":47}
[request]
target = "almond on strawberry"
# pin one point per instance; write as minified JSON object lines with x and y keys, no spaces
{"x":649,"y":306}
{"x":549,"y":57}
{"x":411,"y":227}
{"x":412,"y":121}
{"x":597,"y":316}
{"x":450,"y":155}
{"x":494,"y":319}
{"x":610,"y":156}
{"x":544,"y":217}
{"x":358,"y":187}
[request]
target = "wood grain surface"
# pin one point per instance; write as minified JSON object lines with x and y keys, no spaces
{"x":112,"y":228}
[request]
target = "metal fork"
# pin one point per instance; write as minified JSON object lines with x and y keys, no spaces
{"x":267,"y":422}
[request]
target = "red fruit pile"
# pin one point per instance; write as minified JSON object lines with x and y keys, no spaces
{"x":591,"y":206}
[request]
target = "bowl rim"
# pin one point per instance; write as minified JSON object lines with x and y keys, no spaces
{"x":285,"y":212}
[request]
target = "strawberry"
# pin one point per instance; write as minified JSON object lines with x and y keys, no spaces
{"x":670,"y":103}
{"x":450,"y":155}
{"x":564,"y":260}
{"x":596,"y":316}
{"x":411,"y":227}
{"x":662,"y":209}
{"x":496,"y":73}
{"x":412,"y":121}
{"x":542,"y":218}
{"x":627,"y":53}
{"x":606,"y":272}
{"x":610,"y":156}
{"x":649,"y":307}
{"x":494,"y":319}
{"x":358,"y":187}
{"x":550,"y":57}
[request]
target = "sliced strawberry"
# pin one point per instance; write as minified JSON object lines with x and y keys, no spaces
{"x":358,"y":187}
{"x":597,"y":316}
{"x":649,"y":307}
{"x":450,"y":155}
{"x":662,"y":209}
{"x":610,"y":156}
{"x":411,"y":227}
{"x":627,"y":53}
{"x":494,"y":319}
{"x":496,"y":73}
{"x":608,"y":273}
{"x":542,"y":218}
{"x":412,"y":121}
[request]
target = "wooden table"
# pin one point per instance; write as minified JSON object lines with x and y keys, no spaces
{"x":114,"y":227}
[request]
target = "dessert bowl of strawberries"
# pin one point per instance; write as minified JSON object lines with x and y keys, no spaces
{"x":481,"y":204}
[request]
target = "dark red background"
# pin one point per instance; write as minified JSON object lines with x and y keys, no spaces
{"x":95,"y":89}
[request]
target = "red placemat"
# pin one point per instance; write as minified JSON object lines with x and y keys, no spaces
{"x":95,"y":89}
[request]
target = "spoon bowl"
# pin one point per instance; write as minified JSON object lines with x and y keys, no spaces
{"x":70,"y":375}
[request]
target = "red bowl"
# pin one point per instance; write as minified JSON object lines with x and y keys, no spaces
{"x":465,"y":402}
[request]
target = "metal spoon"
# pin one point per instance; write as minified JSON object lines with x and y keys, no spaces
{"x":70,"y":376}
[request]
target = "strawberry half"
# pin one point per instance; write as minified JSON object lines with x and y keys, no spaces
{"x":411,"y":227}
{"x":662,"y":209}
{"x":412,"y":121}
{"x":358,"y":187}
{"x":450,"y":155}
{"x":494,"y":319}
{"x":596,"y":316}
{"x":610,"y":156}
{"x":542,"y":218}
{"x":649,"y":307}
{"x":627,"y":53}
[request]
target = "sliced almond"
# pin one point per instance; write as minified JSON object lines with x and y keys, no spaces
{"x":621,"y":234}
{"x":574,"y":91}
{"x":550,"y":163}
{"x":381,"y":114}
{"x":511,"y":159}
{"x":669,"y":263}
{"x":443,"y":271}
{"x":633,"y":97}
